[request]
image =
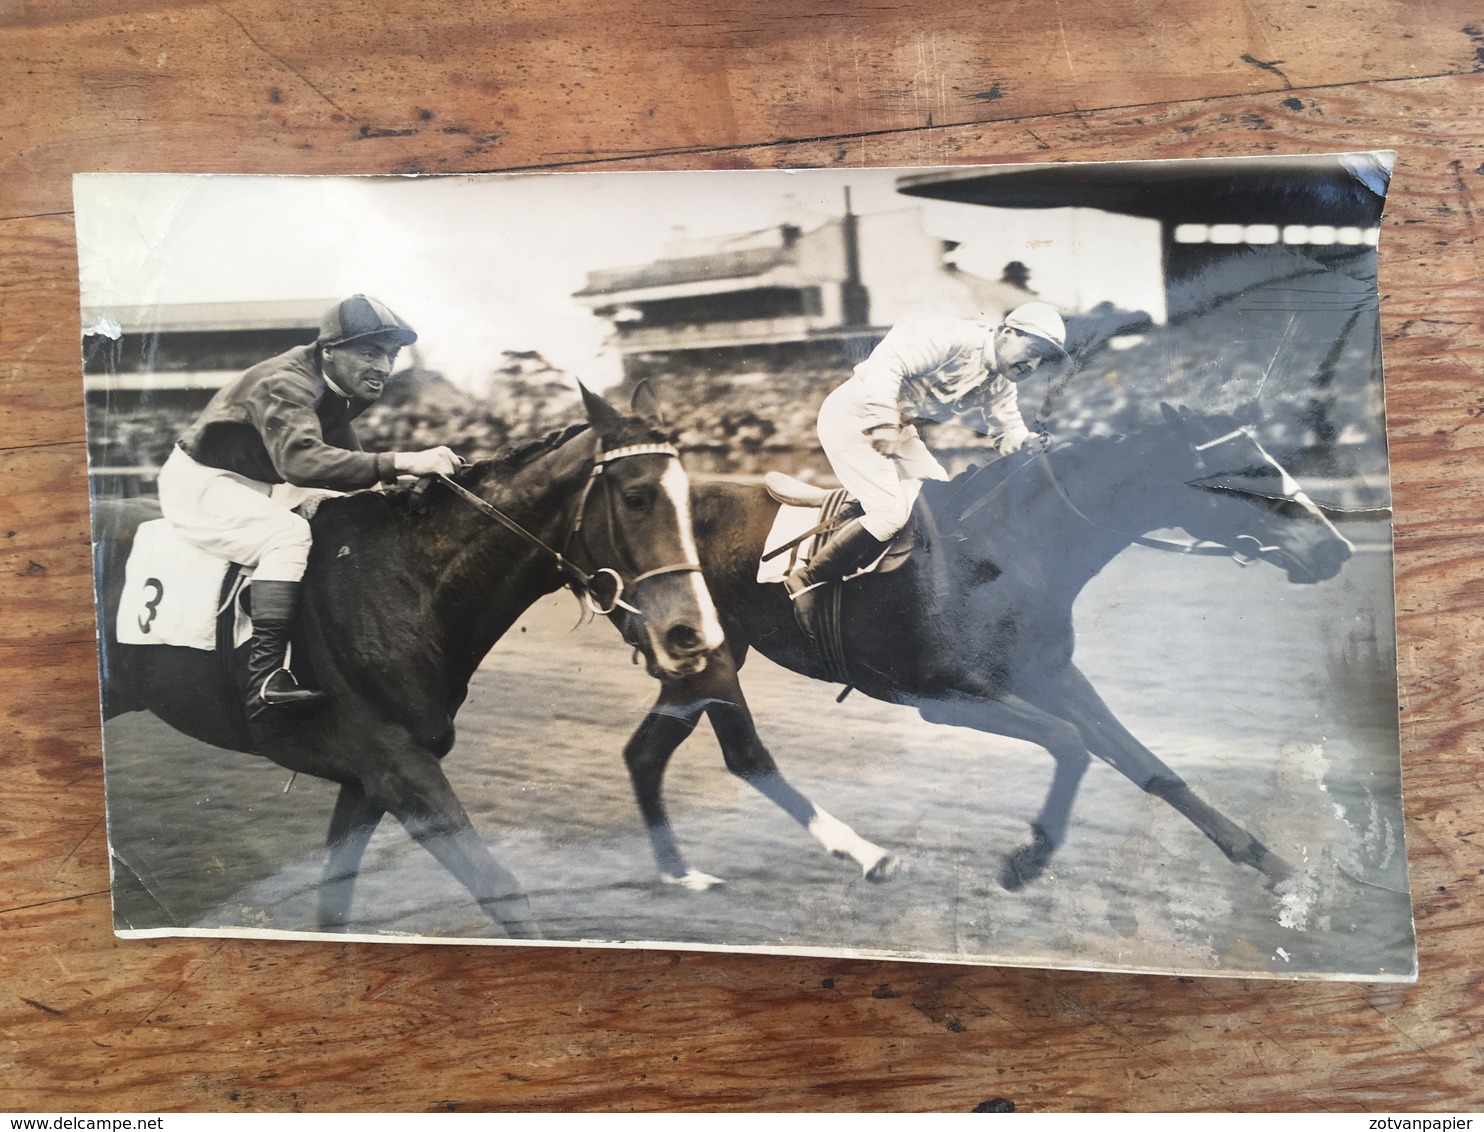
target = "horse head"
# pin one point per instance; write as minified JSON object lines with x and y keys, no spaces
{"x":1240,"y":486}
{"x":634,"y":529}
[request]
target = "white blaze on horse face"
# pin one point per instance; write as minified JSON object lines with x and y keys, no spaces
{"x":1288,"y":486}
{"x":1291,"y":490}
{"x":676,"y":486}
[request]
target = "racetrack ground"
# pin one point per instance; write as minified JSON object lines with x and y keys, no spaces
{"x":1276,"y":702}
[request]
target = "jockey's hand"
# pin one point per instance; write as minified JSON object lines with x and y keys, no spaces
{"x":885,"y":440}
{"x":441,"y":461}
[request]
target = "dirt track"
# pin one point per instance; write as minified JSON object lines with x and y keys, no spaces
{"x":1265,"y":696}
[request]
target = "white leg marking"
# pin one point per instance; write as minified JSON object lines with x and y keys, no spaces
{"x":693,"y":879}
{"x":839,"y":839}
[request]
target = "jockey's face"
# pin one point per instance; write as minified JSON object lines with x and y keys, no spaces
{"x":1016,"y":353}
{"x":361,"y":367}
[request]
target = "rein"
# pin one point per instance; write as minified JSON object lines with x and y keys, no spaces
{"x":1196,"y":547}
{"x":580,"y":578}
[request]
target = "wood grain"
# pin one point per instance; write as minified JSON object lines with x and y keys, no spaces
{"x":93,"y":1023}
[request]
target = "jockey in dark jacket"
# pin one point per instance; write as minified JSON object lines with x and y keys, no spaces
{"x":287,"y":420}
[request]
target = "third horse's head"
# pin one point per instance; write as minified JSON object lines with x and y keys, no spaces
{"x":1275,"y":520}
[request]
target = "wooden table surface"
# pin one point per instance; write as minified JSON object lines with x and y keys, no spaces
{"x":349,"y":86}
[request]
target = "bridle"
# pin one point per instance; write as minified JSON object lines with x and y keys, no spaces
{"x":1240,"y":552}
{"x":579,"y":579}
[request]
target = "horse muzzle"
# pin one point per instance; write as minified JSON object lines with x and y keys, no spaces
{"x":676,"y":627}
{"x":1318,"y":561}
{"x":680,"y":649}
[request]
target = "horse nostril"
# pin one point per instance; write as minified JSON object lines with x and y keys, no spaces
{"x":683,"y":639}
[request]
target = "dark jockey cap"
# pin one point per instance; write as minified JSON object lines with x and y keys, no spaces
{"x":363,"y":317}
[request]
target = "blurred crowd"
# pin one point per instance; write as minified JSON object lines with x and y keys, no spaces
{"x":1315,"y":395}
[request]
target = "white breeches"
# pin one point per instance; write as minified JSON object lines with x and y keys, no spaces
{"x":886,"y":486}
{"x":235,"y":518}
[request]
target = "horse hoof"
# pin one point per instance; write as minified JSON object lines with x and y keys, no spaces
{"x":1018,"y":872}
{"x":693,"y":881}
{"x":1026,"y":863}
{"x":1275,"y":868}
{"x":884,"y":869}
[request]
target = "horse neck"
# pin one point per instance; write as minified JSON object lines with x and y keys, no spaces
{"x":486,"y":575}
{"x":1100,"y":504}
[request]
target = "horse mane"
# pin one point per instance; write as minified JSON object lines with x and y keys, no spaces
{"x":508,"y":460}
{"x":522,"y":454}
{"x":985,"y":477}
{"x":519,"y":455}
{"x":1066,"y":458}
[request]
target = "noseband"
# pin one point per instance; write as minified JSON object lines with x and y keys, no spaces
{"x":580,"y":580}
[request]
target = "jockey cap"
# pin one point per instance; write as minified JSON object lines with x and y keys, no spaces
{"x":1040,"y":320}
{"x":363,"y":317}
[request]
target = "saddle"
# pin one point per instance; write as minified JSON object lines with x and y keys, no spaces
{"x":809,"y":515}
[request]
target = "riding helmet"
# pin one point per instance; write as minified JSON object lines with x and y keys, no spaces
{"x":363,"y":317}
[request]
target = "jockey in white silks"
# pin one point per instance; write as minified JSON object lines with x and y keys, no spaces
{"x":929,"y":367}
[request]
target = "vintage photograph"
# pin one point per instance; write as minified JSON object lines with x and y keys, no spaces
{"x":982,"y":564}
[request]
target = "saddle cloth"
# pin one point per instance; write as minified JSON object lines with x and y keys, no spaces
{"x":173,"y":592}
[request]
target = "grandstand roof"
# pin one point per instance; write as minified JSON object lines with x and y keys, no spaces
{"x":1337,"y":189}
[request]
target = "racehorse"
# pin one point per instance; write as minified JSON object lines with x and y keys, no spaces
{"x":975,"y":628}
{"x":405,"y":593}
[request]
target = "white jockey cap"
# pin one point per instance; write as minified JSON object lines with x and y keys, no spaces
{"x":1040,"y":320}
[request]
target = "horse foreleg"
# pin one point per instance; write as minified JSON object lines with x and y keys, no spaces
{"x":1107,"y":738}
{"x":354,"y":820}
{"x":646,"y":754}
{"x":412,"y":787}
{"x":749,"y":760}
{"x":1018,"y":718}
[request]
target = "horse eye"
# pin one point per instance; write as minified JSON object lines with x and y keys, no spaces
{"x":636,"y":500}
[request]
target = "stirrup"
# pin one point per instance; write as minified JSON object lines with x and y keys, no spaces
{"x":795,"y":590}
{"x":286,"y":696}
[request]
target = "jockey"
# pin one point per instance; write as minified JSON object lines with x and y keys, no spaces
{"x":929,"y":367}
{"x":287,"y":419}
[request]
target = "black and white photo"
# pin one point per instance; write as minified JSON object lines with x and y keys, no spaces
{"x":984,"y":564}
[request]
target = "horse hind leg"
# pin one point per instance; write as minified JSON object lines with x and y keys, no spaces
{"x":351,"y":826}
{"x":1017,"y":718}
{"x":1107,"y":738}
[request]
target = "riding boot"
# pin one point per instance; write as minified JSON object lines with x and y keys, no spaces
{"x":850,"y":549}
{"x":269,"y":683}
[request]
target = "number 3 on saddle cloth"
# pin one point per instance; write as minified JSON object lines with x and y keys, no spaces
{"x":808,"y":516}
{"x":177,"y":594}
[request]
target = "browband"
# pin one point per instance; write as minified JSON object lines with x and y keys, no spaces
{"x":638,"y":450}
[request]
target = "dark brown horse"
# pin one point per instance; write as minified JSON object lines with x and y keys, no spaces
{"x":975,"y":630}
{"x":402,"y":602}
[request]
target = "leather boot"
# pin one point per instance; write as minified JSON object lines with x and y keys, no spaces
{"x":269,"y":683}
{"x":850,"y":549}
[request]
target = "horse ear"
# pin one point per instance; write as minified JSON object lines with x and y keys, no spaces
{"x":1173,"y":416}
{"x":600,"y":414}
{"x":646,"y":404}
